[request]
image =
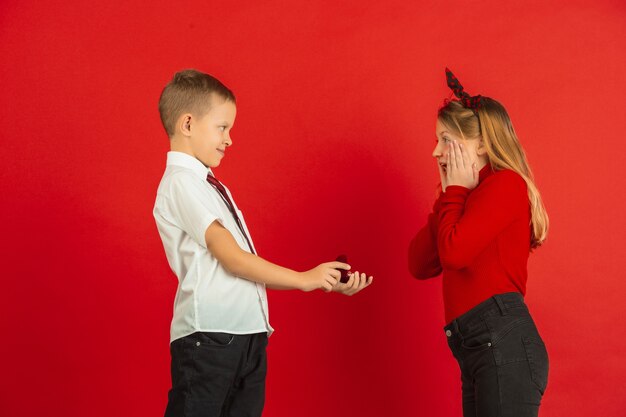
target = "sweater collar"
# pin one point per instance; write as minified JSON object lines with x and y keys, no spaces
{"x":486,"y":171}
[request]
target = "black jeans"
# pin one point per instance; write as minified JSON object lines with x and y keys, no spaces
{"x":503,"y":361}
{"x":218,"y":375}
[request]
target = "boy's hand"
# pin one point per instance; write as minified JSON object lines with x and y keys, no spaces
{"x":355,"y":284}
{"x":324,"y":276}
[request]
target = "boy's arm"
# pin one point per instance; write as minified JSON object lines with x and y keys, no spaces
{"x":238,"y":262}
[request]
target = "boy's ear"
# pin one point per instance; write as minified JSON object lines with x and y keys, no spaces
{"x":184,"y":124}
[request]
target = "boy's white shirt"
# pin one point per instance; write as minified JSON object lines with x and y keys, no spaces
{"x":208,"y":298}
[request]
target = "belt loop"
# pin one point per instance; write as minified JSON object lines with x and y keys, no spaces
{"x":500,"y":305}
{"x":456,"y":327}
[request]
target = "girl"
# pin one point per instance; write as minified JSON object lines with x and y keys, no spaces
{"x":488,"y":217}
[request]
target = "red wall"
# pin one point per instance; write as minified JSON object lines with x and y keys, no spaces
{"x":336,"y":113}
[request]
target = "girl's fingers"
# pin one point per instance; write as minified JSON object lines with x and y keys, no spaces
{"x":464,"y":156}
{"x":452,"y":156}
{"x":449,"y":163}
{"x":458,"y":154}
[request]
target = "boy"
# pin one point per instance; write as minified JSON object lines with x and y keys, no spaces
{"x":220,"y":324}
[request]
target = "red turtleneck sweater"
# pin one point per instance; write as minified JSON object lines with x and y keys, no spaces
{"x":479,"y":238}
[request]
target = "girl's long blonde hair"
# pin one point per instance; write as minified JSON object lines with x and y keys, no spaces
{"x":491,"y":122}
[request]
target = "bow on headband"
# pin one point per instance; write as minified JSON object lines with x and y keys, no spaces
{"x":471,"y":102}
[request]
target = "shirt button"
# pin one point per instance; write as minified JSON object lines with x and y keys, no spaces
{"x":448,"y":333}
{"x":489,"y":344}
{"x":197,"y":343}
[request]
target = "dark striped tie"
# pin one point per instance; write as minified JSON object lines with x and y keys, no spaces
{"x":220,"y":188}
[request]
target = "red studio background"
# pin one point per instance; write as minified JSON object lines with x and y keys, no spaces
{"x":331,"y":154}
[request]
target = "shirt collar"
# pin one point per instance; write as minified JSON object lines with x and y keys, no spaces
{"x":184,"y":160}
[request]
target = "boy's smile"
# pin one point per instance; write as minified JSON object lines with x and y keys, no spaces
{"x":210,"y":135}
{"x":207,"y":137}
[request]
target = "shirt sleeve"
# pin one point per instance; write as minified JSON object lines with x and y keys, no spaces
{"x":193,"y":207}
{"x":467,"y":225}
{"x":423,"y":252}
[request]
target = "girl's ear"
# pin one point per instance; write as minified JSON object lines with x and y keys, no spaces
{"x":481,"y":150}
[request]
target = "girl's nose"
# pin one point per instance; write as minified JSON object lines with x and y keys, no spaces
{"x":437,"y":151}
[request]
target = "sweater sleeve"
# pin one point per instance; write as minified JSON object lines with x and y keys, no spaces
{"x":467,"y":226}
{"x":423,"y":254}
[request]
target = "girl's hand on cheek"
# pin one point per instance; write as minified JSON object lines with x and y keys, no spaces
{"x":460,"y":169}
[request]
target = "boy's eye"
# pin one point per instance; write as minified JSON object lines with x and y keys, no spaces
{"x":222,"y":128}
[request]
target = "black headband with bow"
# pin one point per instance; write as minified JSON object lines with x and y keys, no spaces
{"x":471,"y":102}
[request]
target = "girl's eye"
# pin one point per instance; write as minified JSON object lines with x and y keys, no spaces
{"x":222,"y":128}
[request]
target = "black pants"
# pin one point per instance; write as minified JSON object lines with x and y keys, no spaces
{"x":503,"y":361}
{"x":218,"y":375}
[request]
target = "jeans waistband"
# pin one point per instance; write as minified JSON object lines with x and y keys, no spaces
{"x":498,"y":304}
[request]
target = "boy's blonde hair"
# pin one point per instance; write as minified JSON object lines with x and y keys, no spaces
{"x":189,"y":91}
{"x":491,"y":122}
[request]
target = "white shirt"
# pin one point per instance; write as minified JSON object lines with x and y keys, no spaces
{"x":208,"y":298}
